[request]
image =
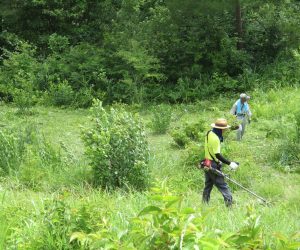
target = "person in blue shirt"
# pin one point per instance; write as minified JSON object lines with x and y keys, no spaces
{"x":243,"y":113}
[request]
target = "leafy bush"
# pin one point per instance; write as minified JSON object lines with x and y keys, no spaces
{"x":194,"y":130}
{"x":117,"y":149}
{"x":161,"y":118}
{"x":84,"y":98}
{"x":189,"y":132}
{"x":18,"y":76}
{"x":24,"y":100}
{"x":55,"y":225}
{"x":180,"y":138}
{"x":61,"y":94}
{"x":167,"y":224}
{"x":194,"y":153}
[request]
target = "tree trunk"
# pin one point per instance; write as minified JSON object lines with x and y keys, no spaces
{"x":239,"y":24}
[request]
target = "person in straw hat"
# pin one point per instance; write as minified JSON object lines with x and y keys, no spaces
{"x":242,"y":112}
{"x":214,"y":159}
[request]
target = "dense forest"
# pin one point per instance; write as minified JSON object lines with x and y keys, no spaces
{"x":66,"y":53}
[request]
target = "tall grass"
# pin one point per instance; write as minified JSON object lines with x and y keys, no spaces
{"x":45,"y":196}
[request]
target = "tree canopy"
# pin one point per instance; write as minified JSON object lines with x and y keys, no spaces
{"x":140,"y":50}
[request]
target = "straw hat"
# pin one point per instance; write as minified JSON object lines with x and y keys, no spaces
{"x":220,"y":123}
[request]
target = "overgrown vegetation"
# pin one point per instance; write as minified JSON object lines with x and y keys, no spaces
{"x":170,"y":225}
{"x":117,"y":149}
{"x":161,"y":119}
{"x":46,"y":196}
{"x":67,"y":54}
{"x":70,"y":179}
{"x":188,"y":132}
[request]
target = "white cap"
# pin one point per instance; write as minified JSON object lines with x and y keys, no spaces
{"x":243,"y":95}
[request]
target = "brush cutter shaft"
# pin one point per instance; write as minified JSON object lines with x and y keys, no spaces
{"x":238,"y":184}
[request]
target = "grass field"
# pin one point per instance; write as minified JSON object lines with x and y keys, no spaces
{"x":39,"y":206}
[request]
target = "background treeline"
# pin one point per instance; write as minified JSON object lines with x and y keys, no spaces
{"x":68,"y":52}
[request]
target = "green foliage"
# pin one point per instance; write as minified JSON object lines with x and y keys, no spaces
{"x":189,"y":132}
{"x":61,"y":94}
{"x":161,"y":118}
{"x":58,"y":222}
{"x":18,"y":77}
{"x":84,"y":98}
{"x":24,"y":100}
{"x":287,"y":151}
{"x":288,"y":155}
{"x":142,"y":68}
{"x":57,"y":43}
{"x":12,"y":149}
{"x":180,"y":138}
{"x":167,"y":224}
{"x":26,"y":155}
{"x":194,"y":153}
{"x":46,"y":199}
{"x":198,"y":51}
{"x":117,"y":149}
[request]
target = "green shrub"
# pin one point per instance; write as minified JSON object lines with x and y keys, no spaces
{"x":194,"y":153}
{"x":84,"y":98}
{"x":18,"y":76}
{"x":117,"y":149}
{"x":180,"y":138}
{"x":161,"y":118}
{"x":61,"y":94}
{"x":297,"y":125}
{"x":194,"y":130}
{"x":57,"y":222}
{"x":24,"y":100}
{"x":166,"y":223}
{"x":189,"y":132}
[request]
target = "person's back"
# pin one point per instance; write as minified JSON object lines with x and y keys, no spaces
{"x":212,"y":146}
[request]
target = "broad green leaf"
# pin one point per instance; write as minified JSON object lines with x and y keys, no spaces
{"x":149,"y":210}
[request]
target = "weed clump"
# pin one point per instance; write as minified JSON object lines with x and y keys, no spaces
{"x":288,"y":150}
{"x":161,"y":119}
{"x":166,"y":223}
{"x":189,"y":132}
{"x":117,"y":149}
{"x":28,"y":156}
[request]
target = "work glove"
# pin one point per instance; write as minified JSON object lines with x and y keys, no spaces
{"x":233,"y":165}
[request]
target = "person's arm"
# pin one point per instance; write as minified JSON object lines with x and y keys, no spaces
{"x":233,"y":109}
{"x":222,"y":159}
{"x":233,"y":165}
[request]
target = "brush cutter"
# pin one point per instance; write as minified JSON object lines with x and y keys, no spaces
{"x":218,"y":172}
